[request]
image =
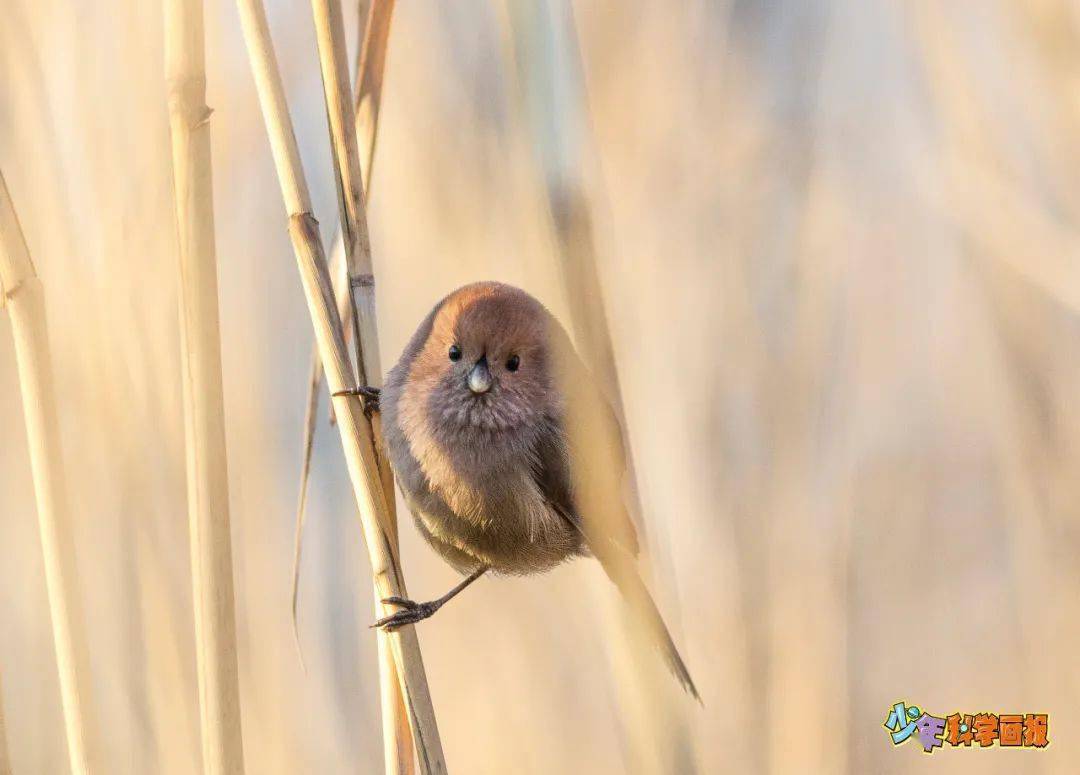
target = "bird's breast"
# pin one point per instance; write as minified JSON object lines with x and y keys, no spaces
{"x":475,"y":495}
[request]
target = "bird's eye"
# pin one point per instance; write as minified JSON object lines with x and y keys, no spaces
{"x":513,"y":363}
{"x":455,"y":352}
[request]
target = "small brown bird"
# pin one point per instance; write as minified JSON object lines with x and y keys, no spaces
{"x":507,"y":455}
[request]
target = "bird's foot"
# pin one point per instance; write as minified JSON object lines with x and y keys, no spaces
{"x":369,"y":397}
{"x":412,"y":613}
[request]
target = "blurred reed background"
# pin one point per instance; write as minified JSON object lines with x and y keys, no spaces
{"x":838,"y":248}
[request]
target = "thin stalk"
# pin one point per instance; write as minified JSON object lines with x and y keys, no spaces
{"x":307,"y":448}
{"x":398,"y":750}
{"x":367,"y":99}
{"x":356,"y":432}
{"x":355,"y":290}
{"x":330,"y":35}
{"x":25,"y":303}
{"x":204,"y":405}
{"x":370,"y":66}
{"x":368,"y":89}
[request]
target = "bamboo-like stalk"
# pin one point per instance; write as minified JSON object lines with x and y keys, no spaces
{"x":367,"y":99}
{"x":330,"y":34}
{"x":367,"y":80}
{"x":370,"y":66}
{"x":368,"y":77}
{"x":397,"y":738}
{"x":353,"y":426}
{"x":204,"y":406}
{"x":398,"y":748}
{"x":25,"y":303}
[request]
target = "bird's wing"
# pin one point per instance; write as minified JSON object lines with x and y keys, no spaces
{"x":613,"y":544}
{"x":579,"y":467}
{"x":583,"y":469}
{"x":554,"y":477}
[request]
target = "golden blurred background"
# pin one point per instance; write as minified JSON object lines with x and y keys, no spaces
{"x":838,"y":247}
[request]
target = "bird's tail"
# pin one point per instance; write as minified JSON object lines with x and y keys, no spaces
{"x":622,"y":570}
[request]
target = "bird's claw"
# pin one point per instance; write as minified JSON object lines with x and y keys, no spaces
{"x":369,"y":397}
{"x":413,"y":612}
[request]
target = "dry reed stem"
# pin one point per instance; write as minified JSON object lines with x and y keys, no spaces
{"x":330,"y":35}
{"x":399,"y":753}
{"x":368,"y":88}
{"x":398,"y":748}
{"x":25,"y":304}
{"x":307,"y":448}
{"x":353,"y":426}
{"x":370,"y":66}
{"x":367,"y":99}
{"x":204,"y":405}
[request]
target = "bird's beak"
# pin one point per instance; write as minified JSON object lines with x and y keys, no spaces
{"x":480,"y":377}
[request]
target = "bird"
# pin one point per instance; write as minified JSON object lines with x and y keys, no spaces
{"x":507,"y":454}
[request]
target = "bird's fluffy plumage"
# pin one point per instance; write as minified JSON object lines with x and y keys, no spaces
{"x":525,"y":475}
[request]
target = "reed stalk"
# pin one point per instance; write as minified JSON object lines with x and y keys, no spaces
{"x":330,"y":35}
{"x":398,"y":749}
{"x":25,"y":303}
{"x":367,"y":99}
{"x":204,"y":405}
{"x":356,"y":431}
{"x":368,"y":79}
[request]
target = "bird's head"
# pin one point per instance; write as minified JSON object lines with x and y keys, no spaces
{"x":485,"y":365}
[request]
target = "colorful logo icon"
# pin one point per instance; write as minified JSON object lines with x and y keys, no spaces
{"x":1008,"y":730}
